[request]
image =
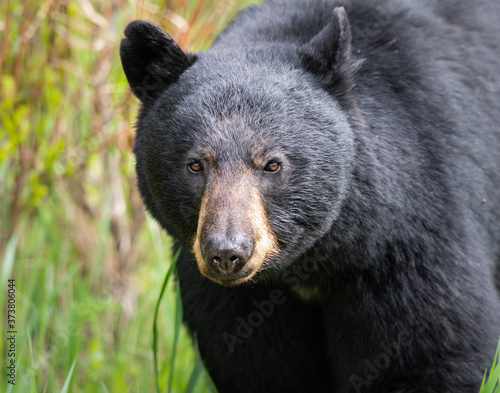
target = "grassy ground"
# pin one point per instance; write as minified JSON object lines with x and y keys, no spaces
{"x":88,"y":264}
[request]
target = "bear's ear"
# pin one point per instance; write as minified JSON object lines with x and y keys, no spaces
{"x":329,"y":54}
{"x":151,"y":59}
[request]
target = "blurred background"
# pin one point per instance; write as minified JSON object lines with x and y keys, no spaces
{"x":88,"y":263}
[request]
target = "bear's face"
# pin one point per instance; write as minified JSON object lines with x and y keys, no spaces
{"x":247,"y":169}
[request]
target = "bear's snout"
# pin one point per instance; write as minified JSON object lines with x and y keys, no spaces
{"x":226,"y":256}
{"x":233,"y":240}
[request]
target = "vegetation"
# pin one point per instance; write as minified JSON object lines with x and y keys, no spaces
{"x":491,"y":381}
{"x":88,"y":263}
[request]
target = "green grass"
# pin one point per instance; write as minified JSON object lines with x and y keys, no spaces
{"x":491,"y":380}
{"x":89,"y":266}
{"x":72,"y":337}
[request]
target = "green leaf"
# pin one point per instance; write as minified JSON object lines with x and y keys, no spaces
{"x":177,"y":328}
{"x":65,"y":387}
{"x":197,"y":370}
{"x":155,"y":320}
{"x":7,"y":265}
{"x":492,"y":383}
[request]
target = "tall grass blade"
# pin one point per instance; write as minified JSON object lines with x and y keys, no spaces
{"x":65,"y":387}
{"x":197,"y":370}
{"x":155,"y":320}
{"x":104,"y":388}
{"x":177,"y":328}
{"x":5,"y":274}
{"x":492,"y":383}
{"x":8,"y":264}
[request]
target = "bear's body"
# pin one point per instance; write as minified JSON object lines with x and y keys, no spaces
{"x":370,"y":254}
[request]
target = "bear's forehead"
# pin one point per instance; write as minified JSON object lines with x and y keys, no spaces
{"x":228,"y":139}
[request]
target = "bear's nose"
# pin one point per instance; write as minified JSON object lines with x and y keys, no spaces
{"x":227,"y":256}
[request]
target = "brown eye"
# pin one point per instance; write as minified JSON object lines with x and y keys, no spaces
{"x":272,"y":166}
{"x":195,"y":167}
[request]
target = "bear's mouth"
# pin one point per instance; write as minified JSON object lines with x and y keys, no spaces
{"x":231,"y":281}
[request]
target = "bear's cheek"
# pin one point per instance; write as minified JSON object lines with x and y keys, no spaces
{"x":174,"y":201}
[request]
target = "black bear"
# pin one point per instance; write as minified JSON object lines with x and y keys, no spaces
{"x":331,"y":170}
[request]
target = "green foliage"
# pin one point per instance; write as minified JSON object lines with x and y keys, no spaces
{"x":491,"y":382}
{"x":88,"y":264}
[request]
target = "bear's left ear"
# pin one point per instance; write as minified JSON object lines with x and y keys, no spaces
{"x":151,"y":59}
{"x":329,"y":54}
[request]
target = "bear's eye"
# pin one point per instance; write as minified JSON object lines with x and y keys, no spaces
{"x":272,"y":166}
{"x":195,"y":167}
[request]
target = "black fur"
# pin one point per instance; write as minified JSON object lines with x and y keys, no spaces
{"x":151,"y":59}
{"x":387,"y":207}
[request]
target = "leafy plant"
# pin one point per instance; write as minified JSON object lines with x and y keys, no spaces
{"x":491,"y":382}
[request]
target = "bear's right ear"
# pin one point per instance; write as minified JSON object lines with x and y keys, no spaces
{"x":329,"y":54}
{"x":151,"y":59}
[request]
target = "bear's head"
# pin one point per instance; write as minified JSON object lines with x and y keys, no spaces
{"x":243,"y":153}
